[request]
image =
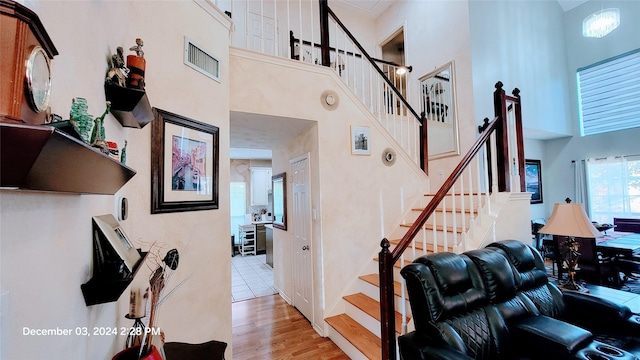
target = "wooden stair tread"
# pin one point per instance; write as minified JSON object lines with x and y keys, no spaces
{"x":374,"y":280}
{"x":363,"y":340}
{"x":371,"y":307}
{"x":456,"y":194}
{"x":420,"y":246}
{"x":458,"y":229}
{"x":458,"y":211}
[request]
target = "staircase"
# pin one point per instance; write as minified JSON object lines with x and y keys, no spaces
{"x":357,"y":330}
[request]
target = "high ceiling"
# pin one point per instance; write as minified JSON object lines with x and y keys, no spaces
{"x":253,"y":136}
{"x":373,"y":8}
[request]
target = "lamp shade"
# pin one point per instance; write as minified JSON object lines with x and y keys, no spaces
{"x":570,"y":220}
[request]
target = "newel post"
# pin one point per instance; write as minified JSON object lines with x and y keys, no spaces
{"x":324,"y":33}
{"x":519,"y":137}
{"x":387,"y":310}
{"x":481,"y":129}
{"x":502,"y":139}
{"x":424,"y":148}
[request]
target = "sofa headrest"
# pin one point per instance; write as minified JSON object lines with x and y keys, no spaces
{"x":496,"y":272}
{"x":448,"y":287}
{"x":527,"y":264}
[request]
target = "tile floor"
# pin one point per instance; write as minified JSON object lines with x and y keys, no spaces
{"x":251,"y":277}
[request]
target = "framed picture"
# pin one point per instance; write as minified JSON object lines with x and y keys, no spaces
{"x":184,"y":164}
{"x":360,"y":144}
{"x":533,"y":180}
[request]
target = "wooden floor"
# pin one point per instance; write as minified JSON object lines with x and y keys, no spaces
{"x":269,"y":328}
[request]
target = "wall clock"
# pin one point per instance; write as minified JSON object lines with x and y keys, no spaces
{"x":27,"y":49}
{"x":38,"y":79}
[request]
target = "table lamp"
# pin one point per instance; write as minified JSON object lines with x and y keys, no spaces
{"x":570,"y":221}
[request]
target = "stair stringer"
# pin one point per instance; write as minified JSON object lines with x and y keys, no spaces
{"x":371,"y":266}
{"x":507,"y":217}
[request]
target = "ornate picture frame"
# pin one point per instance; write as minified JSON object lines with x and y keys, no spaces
{"x":184,"y":164}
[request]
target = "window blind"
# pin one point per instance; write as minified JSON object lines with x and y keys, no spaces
{"x":609,"y":94}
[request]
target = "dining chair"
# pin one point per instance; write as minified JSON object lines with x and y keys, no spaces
{"x":545,"y":245}
{"x":594,"y":267}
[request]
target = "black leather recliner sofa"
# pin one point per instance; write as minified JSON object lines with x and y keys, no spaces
{"x":497,"y":303}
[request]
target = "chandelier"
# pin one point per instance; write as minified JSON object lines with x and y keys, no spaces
{"x":601,"y":23}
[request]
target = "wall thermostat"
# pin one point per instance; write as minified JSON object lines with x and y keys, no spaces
{"x":123,"y":209}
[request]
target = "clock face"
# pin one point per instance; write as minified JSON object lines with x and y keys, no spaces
{"x":38,"y":78}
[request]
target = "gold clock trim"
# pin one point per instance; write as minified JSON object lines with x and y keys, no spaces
{"x":38,"y":105}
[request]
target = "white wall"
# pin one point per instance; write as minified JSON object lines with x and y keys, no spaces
{"x":535,"y":150}
{"x":46,"y":248}
{"x":521,"y":43}
{"x":558,"y":170}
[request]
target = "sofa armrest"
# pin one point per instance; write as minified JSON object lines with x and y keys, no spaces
{"x":552,"y":337}
{"x":581,"y":307}
{"x":414,"y":346}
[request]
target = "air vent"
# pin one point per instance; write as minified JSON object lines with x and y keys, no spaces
{"x":201,"y":60}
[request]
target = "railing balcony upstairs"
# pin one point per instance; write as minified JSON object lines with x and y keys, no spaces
{"x":304,"y":31}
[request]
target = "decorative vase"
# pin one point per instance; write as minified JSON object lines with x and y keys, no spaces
{"x":132,"y":354}
{"x":82,"y":121}
{"x":136,"y":65}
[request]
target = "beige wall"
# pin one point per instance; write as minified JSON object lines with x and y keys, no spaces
{"x":429,"y":45}
{"x":46,"y":237}
{"x":358,"y":200}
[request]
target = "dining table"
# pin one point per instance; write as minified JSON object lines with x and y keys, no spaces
{"x":623,"y":245}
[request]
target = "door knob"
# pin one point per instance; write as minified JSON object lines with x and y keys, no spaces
{"x":306,"y":247}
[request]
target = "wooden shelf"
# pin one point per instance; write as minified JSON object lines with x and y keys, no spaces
{"x":40,"y":157}
{"x":129,"y":106}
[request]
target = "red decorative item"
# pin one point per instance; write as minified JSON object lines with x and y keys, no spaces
{"x":137,"y":65}
{"x":133,"y":352}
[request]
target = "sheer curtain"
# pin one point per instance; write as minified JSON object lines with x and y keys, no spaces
{"x":614,"y":187}
{"x":581,"y":195}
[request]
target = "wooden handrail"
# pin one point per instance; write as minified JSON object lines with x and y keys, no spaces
{"x":373,"y":63}
{"x":442,"y":192}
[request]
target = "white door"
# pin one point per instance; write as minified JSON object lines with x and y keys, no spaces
{"x":263,"y":34}
{"x":301,"y":223}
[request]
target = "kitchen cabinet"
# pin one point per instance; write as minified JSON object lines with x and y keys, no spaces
{"x":260,"y":186}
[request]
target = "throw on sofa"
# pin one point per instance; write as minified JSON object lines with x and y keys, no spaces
{"x":497,"y":303}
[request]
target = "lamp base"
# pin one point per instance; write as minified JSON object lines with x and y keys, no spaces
{"x":571,"y":284}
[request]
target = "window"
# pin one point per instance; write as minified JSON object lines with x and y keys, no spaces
{"x":238,"y":201}
{"x":609,"y":94}
{"x":614,"y":188}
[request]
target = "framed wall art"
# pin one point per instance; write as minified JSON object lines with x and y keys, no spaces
{"x":184,"y":164}
{"x":533,"y":180}
{"x":360,"y":140}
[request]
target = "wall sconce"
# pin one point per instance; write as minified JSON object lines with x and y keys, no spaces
{"x":401,"y":70}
